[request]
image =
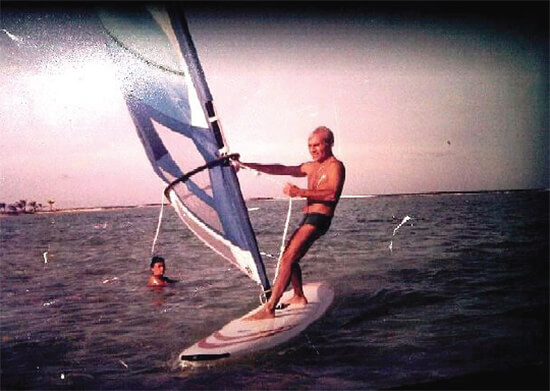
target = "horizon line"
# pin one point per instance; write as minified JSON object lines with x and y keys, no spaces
{"x":345,"y":196}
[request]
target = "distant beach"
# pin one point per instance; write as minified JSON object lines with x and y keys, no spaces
{"x":81,"y":209}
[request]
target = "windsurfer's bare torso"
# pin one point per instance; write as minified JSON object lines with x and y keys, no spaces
{"x":325,"y":182}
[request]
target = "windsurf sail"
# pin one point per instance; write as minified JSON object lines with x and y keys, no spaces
{"x":172,"y":108}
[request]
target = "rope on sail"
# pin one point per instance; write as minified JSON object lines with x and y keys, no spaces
{"x":263,"y":298}
{"x":287,"y":222}
{"x":289,"y":212}
{"x":281,"y":251}
{"x":158,"y":224}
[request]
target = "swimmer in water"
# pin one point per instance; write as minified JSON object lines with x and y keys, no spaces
{"x":158,"y":267}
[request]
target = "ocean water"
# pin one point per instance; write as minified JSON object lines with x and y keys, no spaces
{"x":459,"y":301}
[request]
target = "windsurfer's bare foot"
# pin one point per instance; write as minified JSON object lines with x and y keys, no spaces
{"x":299,"y":301}
{"x":264,"y":313}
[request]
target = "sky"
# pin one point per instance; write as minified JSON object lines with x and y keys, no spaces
{"x":421,"y":97}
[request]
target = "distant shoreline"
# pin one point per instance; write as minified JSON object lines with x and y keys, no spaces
{"x":348,"y":196}
{"x":81,"y":209}
{"x":101,"y":208}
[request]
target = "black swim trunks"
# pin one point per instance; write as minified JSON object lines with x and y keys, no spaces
{"x":319,"y":220}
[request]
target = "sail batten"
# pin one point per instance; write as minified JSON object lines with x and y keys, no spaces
{"x":167,"y":96}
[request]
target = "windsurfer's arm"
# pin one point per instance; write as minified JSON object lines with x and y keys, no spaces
{"x":328,"y":188}
{"x":313,"y":195}
{"x":277,"y":169}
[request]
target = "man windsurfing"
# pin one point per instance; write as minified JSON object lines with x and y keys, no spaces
{"x":325,"y":181}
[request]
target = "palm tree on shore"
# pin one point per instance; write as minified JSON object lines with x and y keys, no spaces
{"x":22,"y":206}
{"x":18,"y":206}
{"x":51,"y":202}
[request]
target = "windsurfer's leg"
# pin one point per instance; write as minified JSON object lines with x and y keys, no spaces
{"x":296,"y":272}
{"x":297,"y":286}
{"x":301,"y":241}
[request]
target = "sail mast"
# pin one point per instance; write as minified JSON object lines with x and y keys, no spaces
{"x":187,"y":47}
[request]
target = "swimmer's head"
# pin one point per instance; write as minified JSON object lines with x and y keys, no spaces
{"x":156,"y":259}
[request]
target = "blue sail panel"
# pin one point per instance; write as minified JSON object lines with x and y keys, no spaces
{"x":168,"y":99}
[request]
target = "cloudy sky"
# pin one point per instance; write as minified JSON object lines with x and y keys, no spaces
{"x":423,"y":97}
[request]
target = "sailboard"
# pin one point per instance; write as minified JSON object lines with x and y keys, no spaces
{"x":242,"y":336}
{"x":172,"y":108}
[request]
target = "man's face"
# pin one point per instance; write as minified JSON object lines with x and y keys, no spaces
{"x":318,"y":148}
{"x":158,"y":269}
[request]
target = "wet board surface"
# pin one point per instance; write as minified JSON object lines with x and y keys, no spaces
{"x":243,"y":336}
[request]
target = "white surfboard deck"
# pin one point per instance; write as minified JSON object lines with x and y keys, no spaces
{"x":244,"y":336}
